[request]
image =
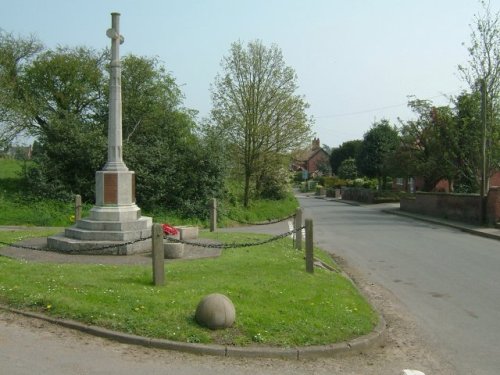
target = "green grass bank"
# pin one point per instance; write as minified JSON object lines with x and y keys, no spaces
{"x":277,"y":302}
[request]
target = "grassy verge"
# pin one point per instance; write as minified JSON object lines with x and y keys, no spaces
{"x":277,"y":302}
{"x":259,"y":211}
{"x":16,"y":210}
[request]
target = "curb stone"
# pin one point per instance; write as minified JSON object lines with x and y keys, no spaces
{"x":308,"y":352}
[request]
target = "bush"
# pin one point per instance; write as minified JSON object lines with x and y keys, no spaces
{"x":334,"y":182}
{"x":388,"y":196}
{"x":275,"y":186}
{"x":297,"y":177}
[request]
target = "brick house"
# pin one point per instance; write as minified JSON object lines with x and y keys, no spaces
{"x":313,"y":160}
{"x":416,"y":184}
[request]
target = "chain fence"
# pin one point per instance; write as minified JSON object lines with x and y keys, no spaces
{"x":268,"y":222}
{"x":235,"y":245}
{"x":103,"y":250}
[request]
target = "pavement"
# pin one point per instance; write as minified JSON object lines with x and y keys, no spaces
{"x":356,"y":345}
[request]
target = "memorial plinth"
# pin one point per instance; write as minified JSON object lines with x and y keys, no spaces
{"x":115,"y":222}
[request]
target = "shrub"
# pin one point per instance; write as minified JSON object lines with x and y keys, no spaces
{"x":334,"y":182}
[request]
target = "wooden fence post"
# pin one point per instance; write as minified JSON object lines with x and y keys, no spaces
{"x":298,"y":233}
{"x":213,"y":215}
{"x":309,"y":246}
{"x":158,"y":256}
{"x":78,"y":207}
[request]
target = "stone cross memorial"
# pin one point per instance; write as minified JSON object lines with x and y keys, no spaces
{"x":115,"y":222}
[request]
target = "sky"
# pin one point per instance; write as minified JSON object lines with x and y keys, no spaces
{"x":357,"y":61}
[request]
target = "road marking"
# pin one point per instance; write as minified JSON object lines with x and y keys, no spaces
{"x":290,"y":228}
{"x":292,"y":236}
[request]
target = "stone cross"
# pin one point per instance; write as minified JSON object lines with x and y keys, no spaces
{"x":115,"y":220}
{"x":115,"y":157}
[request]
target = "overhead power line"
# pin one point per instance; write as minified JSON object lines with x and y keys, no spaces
{"x":373,"y":109}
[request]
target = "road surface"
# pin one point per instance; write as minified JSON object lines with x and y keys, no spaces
{"x":449,"y":280}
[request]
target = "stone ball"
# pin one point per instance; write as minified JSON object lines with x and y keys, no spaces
{"x":215,"y":311}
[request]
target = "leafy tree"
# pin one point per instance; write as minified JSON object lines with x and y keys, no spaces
{"x":467,"y":153}
{"x":179,"y":168}
{"x":379,"y":143}
{"x":60,"y":96}
{"x":346,"y":150}
{"x":442,"y":143}
{"x":426,"y":148}
{"x":256,"y":108}
{"x":16,"y":53}
{"x":348,"y":169}
{"x":57,"y":97}
{"x":327,"y":148}
{"x":483,"y":71}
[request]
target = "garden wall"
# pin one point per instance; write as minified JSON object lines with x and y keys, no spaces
{"x":358,"y":195}
{"x":493,"y":206}
{"x":458,"y":207}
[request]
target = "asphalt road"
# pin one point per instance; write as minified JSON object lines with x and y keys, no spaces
{"x":448,"y":279}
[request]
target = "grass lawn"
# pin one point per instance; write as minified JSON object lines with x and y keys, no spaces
{"x":277,"y":302}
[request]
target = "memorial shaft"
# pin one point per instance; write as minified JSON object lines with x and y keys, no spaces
{"x":115,"y":156}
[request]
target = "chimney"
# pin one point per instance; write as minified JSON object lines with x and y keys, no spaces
{"x":315,"y":144}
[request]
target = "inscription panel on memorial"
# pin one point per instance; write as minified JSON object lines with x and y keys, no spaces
{"x":110,"y":188}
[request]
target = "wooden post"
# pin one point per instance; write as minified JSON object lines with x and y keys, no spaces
{"x":213,"y":215}
{"x":78,"y":207}
{"x":158,"y":257}
{"x":309,"y":246}
{"x":298,"y":224}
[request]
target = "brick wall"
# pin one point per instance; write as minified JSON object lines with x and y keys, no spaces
{"x":495,"y":180}
{"x":493,"y":206}
{"x":459,"y":207}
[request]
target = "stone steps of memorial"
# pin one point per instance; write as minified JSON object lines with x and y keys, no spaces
{"x":62,"y":243}
{"x":96,"y":235}
{"x":141,"y":224}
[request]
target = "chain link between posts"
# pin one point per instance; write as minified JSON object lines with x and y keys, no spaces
{"x":235,"y":245}
{"x":82,"y":251}
{"x":257,"y":223}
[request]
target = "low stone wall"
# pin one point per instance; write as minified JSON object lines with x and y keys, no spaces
{"x":333,"y":193}
{"x":358,"y":195}
{"x":458,"y":207}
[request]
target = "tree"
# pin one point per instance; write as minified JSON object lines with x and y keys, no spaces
{"x":346,"y":150}
{"x":348,"y":169}
{"x":58,"y":97}
{"x":179,"y":167}
{"x":441,"y":143}
{"x":378,"y":145}
{"x":256,"y":108}
{"x":62,"y":100}
{"x":483,"y":75}
{"x":467,"y":159}
{"x":428,"y":144}
{"x":16,"y":53}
